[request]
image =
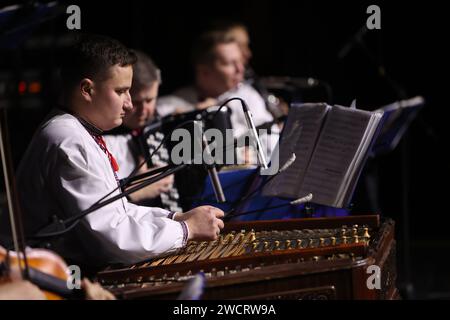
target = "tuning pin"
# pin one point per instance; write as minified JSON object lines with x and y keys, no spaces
{"x":321,"y":242}
{"x":344,"y":239}
{"x":366,"y":234}
{"x":299,"y":243}
{"x":277,"y":245}
{"x":333,"y":241}
{"x":355,"y":238}
{"x":287,"y":244}
{"x":266,"y":245}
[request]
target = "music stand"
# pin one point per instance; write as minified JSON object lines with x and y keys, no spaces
{"x":397,"y":119}
{"x":195,"y":174}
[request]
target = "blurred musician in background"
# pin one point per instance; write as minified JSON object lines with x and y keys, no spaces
{"x":219,"y":75}
{"x":131,"y":144}
{"x":67,"y":168}
{"x":239,"y":32}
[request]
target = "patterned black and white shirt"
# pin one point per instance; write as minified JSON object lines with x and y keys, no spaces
{"x":128,"y":145}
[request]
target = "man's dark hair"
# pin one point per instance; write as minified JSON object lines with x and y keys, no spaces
{"x":226,"y":25}
{"x":203,"y":49}
{"x":90,"y":57}
{"x":145,"y":72}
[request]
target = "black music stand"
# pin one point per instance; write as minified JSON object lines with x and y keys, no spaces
{"x":397,"y":118}
{"x":190,"y":181}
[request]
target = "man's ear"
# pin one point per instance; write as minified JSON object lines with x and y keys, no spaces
{"x":87,"y":88}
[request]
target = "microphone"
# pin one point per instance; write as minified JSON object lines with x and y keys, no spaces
{"x":212,"y":172}
{"x":252,"y":128}
{"x":288,"y":163}
{"x":305,"y":199}
{"x":301,"y":200}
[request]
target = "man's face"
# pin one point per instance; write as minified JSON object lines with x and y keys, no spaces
{"x":227,"y":69}
{"x":111,"y":98}
{"x":144,"y":104}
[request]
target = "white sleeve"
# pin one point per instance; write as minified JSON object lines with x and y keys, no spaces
{"x":140,"y":233}
{"x":124,"y":232}
{"x":167,"y":105}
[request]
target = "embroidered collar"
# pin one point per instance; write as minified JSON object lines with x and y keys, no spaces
{"x":89,"y":126}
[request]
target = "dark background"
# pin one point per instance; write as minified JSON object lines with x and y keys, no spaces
{"x":288,"y":38}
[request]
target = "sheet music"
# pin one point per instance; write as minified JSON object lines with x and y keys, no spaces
{"x":300,"y":136}
{"x":331,"y":145}
{"x":330,"y":167}
{"x":355,"y":167}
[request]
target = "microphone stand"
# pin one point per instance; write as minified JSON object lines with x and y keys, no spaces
{"x":130,"y":181}
{"x":305,"y":199}
{"x":210,"y":165}
{"x":58,"y":227}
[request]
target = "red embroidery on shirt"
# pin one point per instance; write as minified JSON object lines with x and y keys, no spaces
{"x":101,"y":142}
